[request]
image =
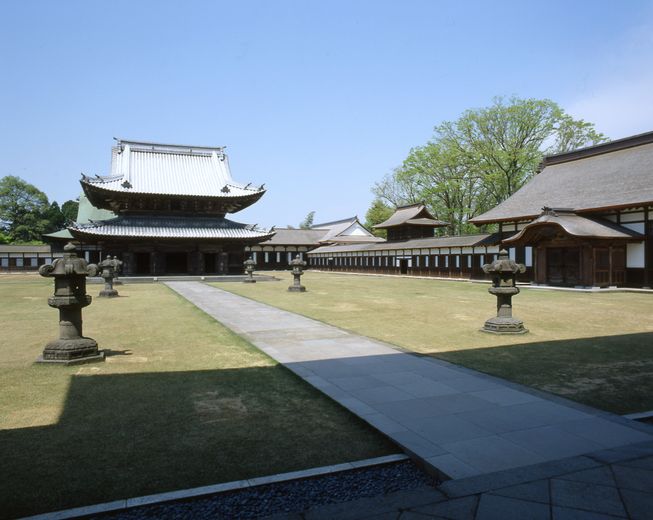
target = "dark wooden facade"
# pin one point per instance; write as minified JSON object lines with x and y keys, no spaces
{"x":569,"y":261}
{"x":463,"y":262}
{"x":156,"y":258}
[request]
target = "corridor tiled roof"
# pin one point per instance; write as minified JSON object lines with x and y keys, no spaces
{"x":416,"y":243}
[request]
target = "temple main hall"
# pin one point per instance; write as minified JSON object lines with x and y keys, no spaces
{"x":163,"y":211}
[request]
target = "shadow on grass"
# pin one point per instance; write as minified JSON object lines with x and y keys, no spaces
{"x":128,"y":435}
{"x":613,"y":373}
{"x":110,"y":353}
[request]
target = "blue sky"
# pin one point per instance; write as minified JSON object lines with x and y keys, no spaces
{"x":318,"y":100}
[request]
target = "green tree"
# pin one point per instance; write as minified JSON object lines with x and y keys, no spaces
{"x":442,"y":178}
{"x":23,"y":209}
{"x":70,"y":209}
{"x":378,"y":212}
{"x":308,"y":221}
{"x":474,"y":163}
{"x":54,"y":217}
{"x":504,"y":143}
{"x":396,"y":190}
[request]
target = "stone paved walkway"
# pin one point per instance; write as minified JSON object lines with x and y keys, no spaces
{"x":609,"y":484}
{"x":459,"y":422}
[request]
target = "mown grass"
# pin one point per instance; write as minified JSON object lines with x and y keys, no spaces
{"x":180,"y":402}
{"x":593,"y":348}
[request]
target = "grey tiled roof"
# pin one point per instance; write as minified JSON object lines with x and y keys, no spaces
{"x":285,"y":236}
{"x":617,"y":178}
{"x":169,"y":227}
{"x":313,"y":237}
{"x":418,"y":243}
{"x":170,"y":170}
{"x":329,"y":225}
{"x":14,"y":248}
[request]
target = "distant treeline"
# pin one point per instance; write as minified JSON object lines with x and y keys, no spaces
{"x":26,"y":214}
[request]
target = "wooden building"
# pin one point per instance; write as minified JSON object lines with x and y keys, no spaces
{"x":586,"y":215}
{"x":287,"y":243}
{"x":162,"y":210}
{"x":25,"y":257}
{"x":412,"y":248}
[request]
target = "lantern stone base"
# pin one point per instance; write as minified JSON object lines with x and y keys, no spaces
{"x":71,"y":352}
{"x":68,"y":362}
{"x":297,"y":288}
{"x":108,"y":293}
{"x":249,"y":280}
{"x":499,"y":325}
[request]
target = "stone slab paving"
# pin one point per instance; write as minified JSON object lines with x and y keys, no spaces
{"x":458,"y":422}
{"x":607,"y":484}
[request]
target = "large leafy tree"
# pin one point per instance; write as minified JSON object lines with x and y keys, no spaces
{"x":483,"y":157}
{"x":503,"y":144}
{"x":23,"y":210}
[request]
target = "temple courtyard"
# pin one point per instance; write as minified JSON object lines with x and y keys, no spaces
{"x":183,"y":401}
{"x":592,"y":347}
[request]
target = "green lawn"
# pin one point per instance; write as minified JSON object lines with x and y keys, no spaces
{"x":593,"y":348}
{"x":181,"y":402}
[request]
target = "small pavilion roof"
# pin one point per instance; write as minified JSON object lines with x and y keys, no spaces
{"x":86,"y":213}
{"x":415,"y":214}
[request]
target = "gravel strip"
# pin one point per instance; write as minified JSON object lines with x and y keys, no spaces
{"x":288,"y":497}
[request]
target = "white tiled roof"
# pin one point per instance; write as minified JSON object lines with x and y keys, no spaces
{"x":170,"y":227}
{"x":170,"y":170}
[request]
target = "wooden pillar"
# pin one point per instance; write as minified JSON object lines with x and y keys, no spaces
{"x":648,"y":245}
{"x":154,"y":263}
{"x":128,"y":266}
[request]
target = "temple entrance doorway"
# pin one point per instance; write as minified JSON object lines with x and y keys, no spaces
{"x":176,"y":263}
{"x":403,"y":266}
{"x":142,"y":263}
{"x":210,"y":263}
{"x":563,"y":266}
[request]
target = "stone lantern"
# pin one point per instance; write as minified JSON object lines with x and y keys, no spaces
{"x":70,"y":297}
{"x":504,"y":272}
{"x":117,"y":268}
{"x":249,"y":269}
{"x":107,"y":272}
{"x":297,"y":265}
